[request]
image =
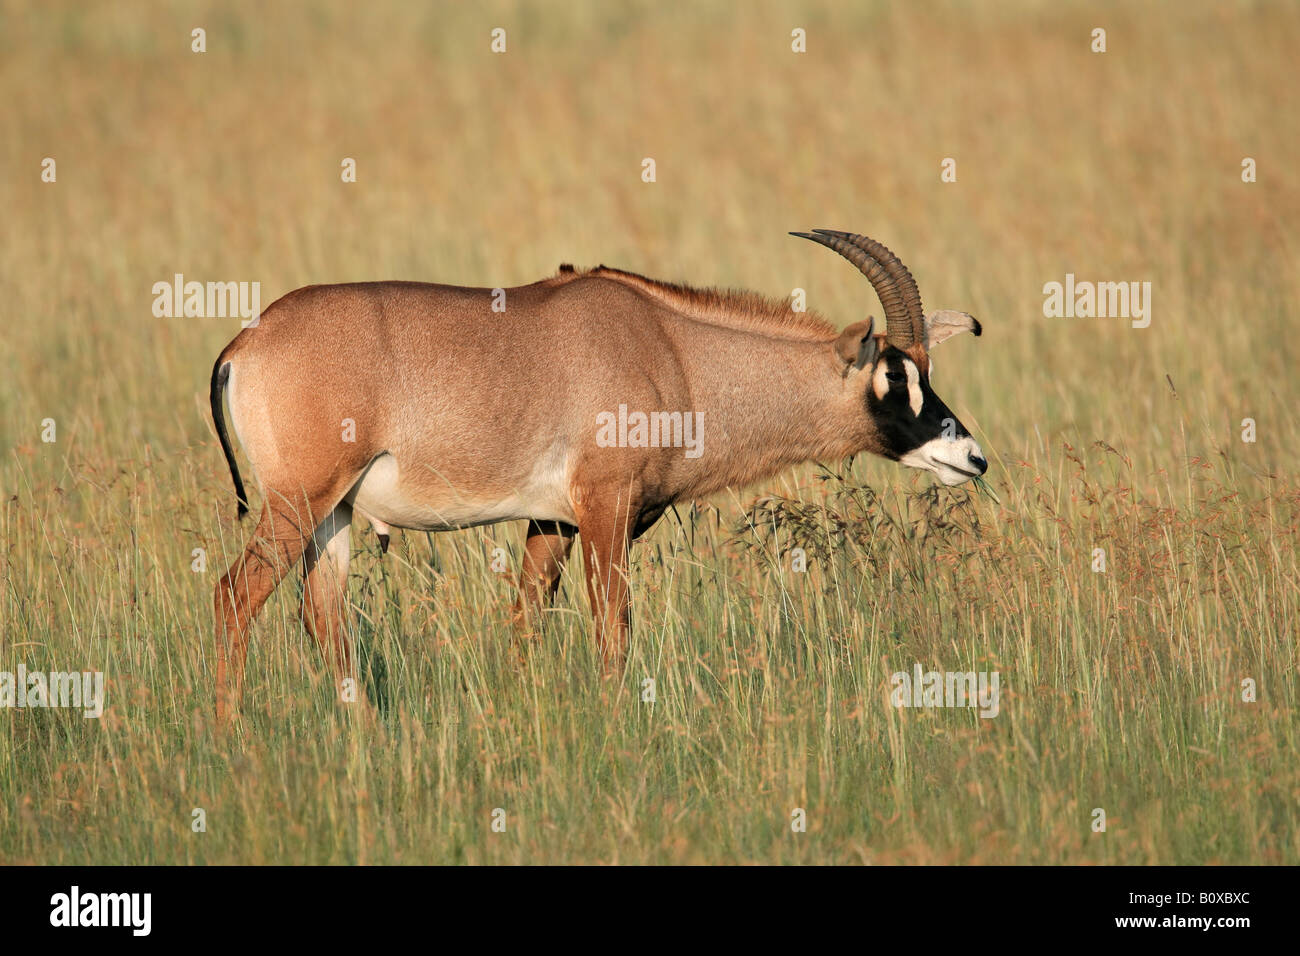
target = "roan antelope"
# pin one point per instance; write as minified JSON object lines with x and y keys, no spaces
{"x":421,"y":407}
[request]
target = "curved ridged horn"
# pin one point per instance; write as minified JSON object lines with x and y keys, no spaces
{"x":894,"y":285}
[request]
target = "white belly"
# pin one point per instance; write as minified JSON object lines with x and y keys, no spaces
{"x":438,"y":506}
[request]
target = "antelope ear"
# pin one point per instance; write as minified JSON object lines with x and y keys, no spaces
{"x":946,"y":323}
{"x":857,"y":345}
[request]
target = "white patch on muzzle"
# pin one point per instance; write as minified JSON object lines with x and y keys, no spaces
{"x":948,"y":458}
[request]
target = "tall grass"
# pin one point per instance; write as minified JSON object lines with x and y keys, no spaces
{"x":1122,"y":690}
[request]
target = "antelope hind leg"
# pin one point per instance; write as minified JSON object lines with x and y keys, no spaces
{"x":278,"y":541}
{"x":324,"y":596}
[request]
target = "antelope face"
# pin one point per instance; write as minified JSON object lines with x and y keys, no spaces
{"x":914,"y":426}
{"x":910,"y":423}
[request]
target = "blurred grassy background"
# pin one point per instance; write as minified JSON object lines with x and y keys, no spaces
{"x":1121,"y":690}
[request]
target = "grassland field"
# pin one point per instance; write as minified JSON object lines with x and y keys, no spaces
{"x":1125,"y":690}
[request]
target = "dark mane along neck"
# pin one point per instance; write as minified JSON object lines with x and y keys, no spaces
{"x":734,"y":308}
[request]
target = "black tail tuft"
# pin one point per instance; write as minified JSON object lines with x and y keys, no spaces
{"x":220,"y":375}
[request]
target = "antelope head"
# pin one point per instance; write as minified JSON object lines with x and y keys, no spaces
{"x":908,"y":422}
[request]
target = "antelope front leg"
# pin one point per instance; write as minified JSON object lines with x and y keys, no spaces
{"x":606,"y":534}
{"x":545,"y":551}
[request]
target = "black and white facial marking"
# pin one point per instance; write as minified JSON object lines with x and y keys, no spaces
{"x":915,"y":427}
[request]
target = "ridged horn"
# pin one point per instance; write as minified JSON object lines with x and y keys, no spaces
{"x":894,"y":285}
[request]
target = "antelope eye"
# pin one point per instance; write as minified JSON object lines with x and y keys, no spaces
{"x":895,"y":378}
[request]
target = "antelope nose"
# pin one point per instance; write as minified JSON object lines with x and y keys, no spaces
{"x":980,"y":464}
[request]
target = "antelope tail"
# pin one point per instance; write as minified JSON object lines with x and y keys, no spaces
{"x":221,"y":375}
